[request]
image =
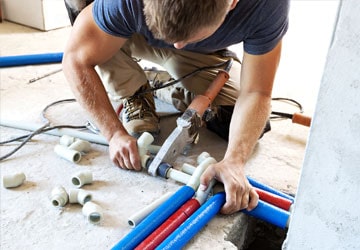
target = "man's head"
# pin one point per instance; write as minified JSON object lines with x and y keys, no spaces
{"x":185,"y":21}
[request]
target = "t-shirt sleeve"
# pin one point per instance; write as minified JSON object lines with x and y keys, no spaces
{"x":114,"y":17}
{"x":271,"y":26}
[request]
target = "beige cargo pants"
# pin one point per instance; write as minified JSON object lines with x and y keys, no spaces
{"x":122,"y":76}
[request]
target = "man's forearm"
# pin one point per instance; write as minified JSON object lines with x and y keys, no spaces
{"x":249,"y":117}
{"x":90,"y":93}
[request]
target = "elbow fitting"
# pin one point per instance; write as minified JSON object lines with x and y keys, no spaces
{"x":194,"y":181}
{"x":79,"y":179}
{"x":13,"y":180}
{"x":79,"y":196}
{"x":92,"y":212}
{"x":67,"y":154}
{"x":80,"y":146}
{"x":59,"y":197}
{"x":143,"y":142}
{"x":70,"y":148}
{"x":66,"y":140}
{"x":201,"y":157}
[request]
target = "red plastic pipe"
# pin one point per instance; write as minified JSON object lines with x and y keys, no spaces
{"x":273,"y":199}
{"x":170,"y":225}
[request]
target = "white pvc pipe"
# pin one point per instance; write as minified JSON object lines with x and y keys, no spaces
{"x":79,"y":196}
{"x":67,"y":153}
{"x":91,"y":137}
{"x":93,"y":212}
{"x":59,"y":197}
{"x":178,"y":176}
{"x":13,"y":180}
{"x":154,"y":149}
{"x":187,"y":168}
{"x":136,"y":218}
{"x":79,"y":179}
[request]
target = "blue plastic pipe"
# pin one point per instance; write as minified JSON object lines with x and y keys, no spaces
{"x":205,"y":213}
{"x":187,"y":230}
{"x":270,"y":213}
{"x":155,"y":219}
{"x":21,"y":60}
{"x":269,"y":189}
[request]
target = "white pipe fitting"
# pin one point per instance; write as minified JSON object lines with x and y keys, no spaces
{"x":201,"y":157}
{"x":59,"y":197}
{"x":136,"y":218}
{"x":66,"y":140}
{"x":143,"y":142}
{"x":93,"y":212}
{"x":79,"y":196}
{"x":80,"y":146}
{"x":202,"y":195}
{"x":67,"y":154}
{"x":13,"y":180}
{"x":144,"y":159}
{"x":79,"y":179}
{"x":195,"y":178}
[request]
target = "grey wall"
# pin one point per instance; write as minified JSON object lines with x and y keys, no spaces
{"x":327,"y":210}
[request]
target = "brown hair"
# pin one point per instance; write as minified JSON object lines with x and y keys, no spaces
{"x":176,"y":20}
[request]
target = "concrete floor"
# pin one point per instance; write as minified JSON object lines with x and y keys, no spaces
{"x":28,"y":218}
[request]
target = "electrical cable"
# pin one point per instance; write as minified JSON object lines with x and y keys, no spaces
{"x":88,"y":125}
{"x":174,"y":81}
{"x":46,"y":127}
{"x":282,"y":115}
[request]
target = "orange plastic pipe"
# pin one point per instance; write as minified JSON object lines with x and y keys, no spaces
{"x":301,"y":119}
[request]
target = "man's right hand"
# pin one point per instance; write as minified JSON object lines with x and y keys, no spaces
{"x":124,"y":152}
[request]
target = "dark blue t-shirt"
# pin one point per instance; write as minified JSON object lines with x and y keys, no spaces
{"x":259,"y":24}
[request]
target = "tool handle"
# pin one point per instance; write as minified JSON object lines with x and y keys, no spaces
{"x":301,"y":119}
{"x":202,"y":102}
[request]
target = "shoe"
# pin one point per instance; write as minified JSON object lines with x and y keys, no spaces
{"x":175,"y":95}
{"x":138,"y":114}
{"x":220,"y":124}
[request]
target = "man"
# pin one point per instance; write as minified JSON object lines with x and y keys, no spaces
{"x":181,"y":36}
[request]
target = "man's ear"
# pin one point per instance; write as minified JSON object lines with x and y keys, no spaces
{"x":233,"y":4}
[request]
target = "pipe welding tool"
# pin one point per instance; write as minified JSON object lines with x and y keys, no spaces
{"x":188,"y":124}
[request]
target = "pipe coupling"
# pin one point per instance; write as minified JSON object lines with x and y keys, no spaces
{"x":92,"y":212}
{"x":59,"y":197}
{"x":79,"y":179}
{"x":80,"y":146}
{"x":13,"y":180}
{"x":67,"y":154}
{"x":79,"y":196}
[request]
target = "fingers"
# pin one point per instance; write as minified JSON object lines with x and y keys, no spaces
{"x":124,"y":154}
{"x":254,"y":199}
{"x":206,"y":177}
{"x":239,"y":197}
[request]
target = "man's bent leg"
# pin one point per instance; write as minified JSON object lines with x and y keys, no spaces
{"x":124,"y":80}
